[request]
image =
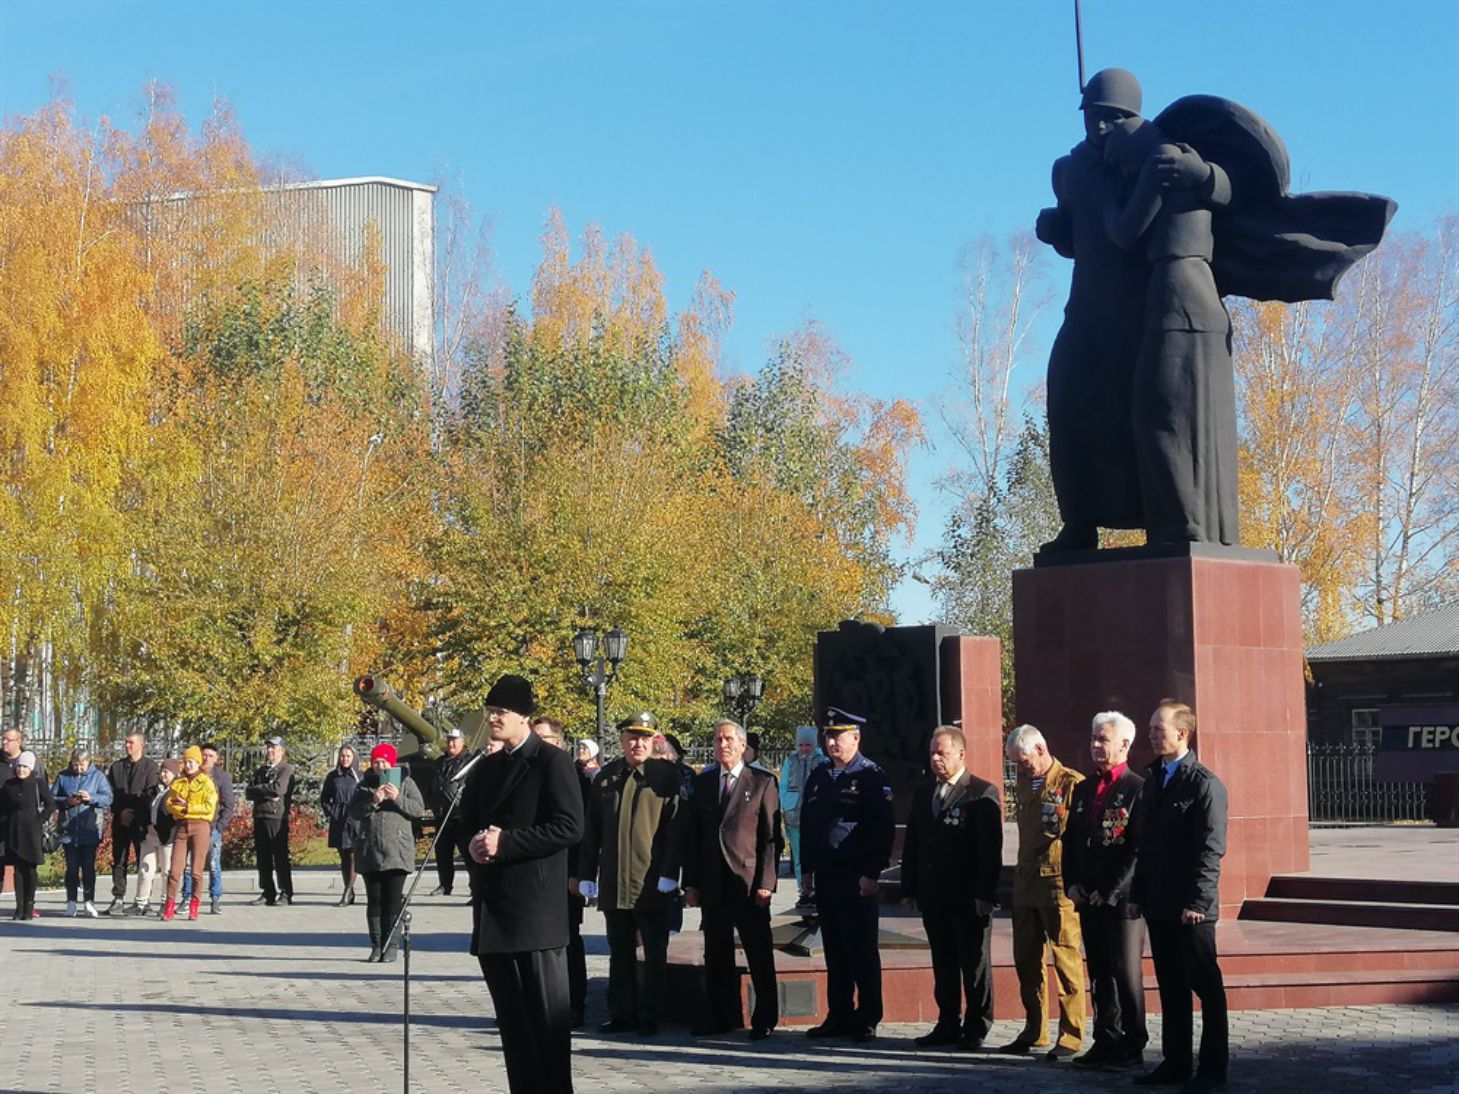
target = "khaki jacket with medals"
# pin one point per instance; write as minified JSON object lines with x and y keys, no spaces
{"x":1038,"y":879}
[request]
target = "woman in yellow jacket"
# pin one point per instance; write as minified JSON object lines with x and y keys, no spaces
{"x":192,"y":800}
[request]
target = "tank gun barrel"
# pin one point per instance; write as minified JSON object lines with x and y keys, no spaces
{"x":374,"y":691}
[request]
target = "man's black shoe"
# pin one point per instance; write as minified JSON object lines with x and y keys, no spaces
{"x":1098,"y":1056}
{"x":1163,"y":1075}
{"x":1060,"y":1052}
{"x":439,"y":890}
{"x":969,"y":1042}
{"x":1122,"y":1060}
{"x":1016,"y":1048}
{"x":712,"y":1029}
{"x":938,"y":1036}
{"x":864,"y":1035}
{"x":262,"y":898}
{"x":615,"y":1026}
{"x":828,"y":1029}
{"x":759,"y":1033}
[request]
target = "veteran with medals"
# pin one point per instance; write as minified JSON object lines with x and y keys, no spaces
{"x":1043,"y":916}
{"x":1099,"y":867}
{"x":951,"y":860}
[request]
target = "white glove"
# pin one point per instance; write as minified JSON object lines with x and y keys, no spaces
{"x":667,"y":885}
{"x":588,"y":889}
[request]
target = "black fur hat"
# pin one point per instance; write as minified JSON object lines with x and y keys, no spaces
{"x":512,"y":693}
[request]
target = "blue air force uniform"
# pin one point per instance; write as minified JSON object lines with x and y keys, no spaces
{"x":846,"y":834}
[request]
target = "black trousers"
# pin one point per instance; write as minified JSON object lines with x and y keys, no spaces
{"x":1185,"y":962}
{"x":271,"y":847}
{"x":384,"y":895}
{"x":455,"y":840}
{"x":1113,"y":946}
{"x":529,"y":994}
{"x":126,"y":845}
{"x":849,"y":926}
{"x":736,"y":910}
{"x":962,"y":967}
{"x":626,"y":1001}
{"x":577,"y":956}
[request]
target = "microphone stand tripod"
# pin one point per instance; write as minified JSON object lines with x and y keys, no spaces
{"x":402,"y":921}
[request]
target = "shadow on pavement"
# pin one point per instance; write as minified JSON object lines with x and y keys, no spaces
{"x":471,"y":1022}
{"x":429,"y":942}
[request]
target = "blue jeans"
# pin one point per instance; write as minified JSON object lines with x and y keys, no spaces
{"x":215,"y":870}
{"x":80,"y":871}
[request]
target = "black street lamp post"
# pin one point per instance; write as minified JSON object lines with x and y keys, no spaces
{"x":598,"y":660}
{"x":742,"y":693}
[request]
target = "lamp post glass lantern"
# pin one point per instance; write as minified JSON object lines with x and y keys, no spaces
{"x":598,"y":660}
{"x":742,"y":693}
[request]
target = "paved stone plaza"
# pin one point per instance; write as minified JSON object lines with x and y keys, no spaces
{"x":278,"y":999}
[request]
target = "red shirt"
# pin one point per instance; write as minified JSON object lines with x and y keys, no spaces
{"x":1101,"y":788}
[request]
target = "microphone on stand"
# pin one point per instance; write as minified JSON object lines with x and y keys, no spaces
{"x":456,"y":778}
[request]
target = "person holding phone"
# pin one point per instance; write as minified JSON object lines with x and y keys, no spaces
{"x":388,"y":804}
{"x":83,"y":795}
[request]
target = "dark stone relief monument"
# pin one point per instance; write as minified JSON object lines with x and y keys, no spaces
{"x":906,"y":681}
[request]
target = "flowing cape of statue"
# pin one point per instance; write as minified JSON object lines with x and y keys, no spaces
{"x":1272,"y":245}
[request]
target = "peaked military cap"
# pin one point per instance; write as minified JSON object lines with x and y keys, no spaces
{"x":642,"y":722}
{"x":838,"y":721}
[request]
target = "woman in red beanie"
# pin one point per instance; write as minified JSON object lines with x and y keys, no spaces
{"x":388,"y":804}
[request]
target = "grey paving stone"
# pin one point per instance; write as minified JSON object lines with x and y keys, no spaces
{"x":278,"y":1000}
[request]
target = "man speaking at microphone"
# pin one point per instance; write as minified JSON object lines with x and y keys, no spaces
{"x":525,"y":808}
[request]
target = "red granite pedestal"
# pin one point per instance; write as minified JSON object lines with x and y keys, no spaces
{"x":1217,"y":628}
{"x":972,"y":694}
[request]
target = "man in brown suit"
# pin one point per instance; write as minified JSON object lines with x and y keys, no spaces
{"x":1043,"y":916}
{"x":729,"y":873}
{"x":629,"y":861}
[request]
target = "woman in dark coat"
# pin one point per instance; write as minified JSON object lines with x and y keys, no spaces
{"x":344,"y":831}
{"x":389,"y":804}
{"x":25,"y":803}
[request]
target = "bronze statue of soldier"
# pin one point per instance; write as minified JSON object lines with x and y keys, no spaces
{"x":1163,"y":219}
{"x":1091,"y":368}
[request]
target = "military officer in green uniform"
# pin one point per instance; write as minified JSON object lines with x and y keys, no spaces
{"x":629,"y":861}
{"x":846,"y":842}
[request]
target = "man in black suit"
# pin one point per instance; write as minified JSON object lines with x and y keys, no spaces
{"x":951,"y":859}
{"x":1099,"y":865}
{"x":551,"y":732}
{"x":525,"y":808}
{"x":1177,"y":871}
{"x":729,"y":873}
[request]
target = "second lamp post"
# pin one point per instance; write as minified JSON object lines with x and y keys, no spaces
{"x":598,"y":660}
{"x":742,"y":693}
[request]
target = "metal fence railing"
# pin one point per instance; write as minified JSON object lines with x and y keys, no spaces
{"x":1341,"y":788}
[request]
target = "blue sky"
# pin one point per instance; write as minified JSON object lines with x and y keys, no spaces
{"x":823,"y":160}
